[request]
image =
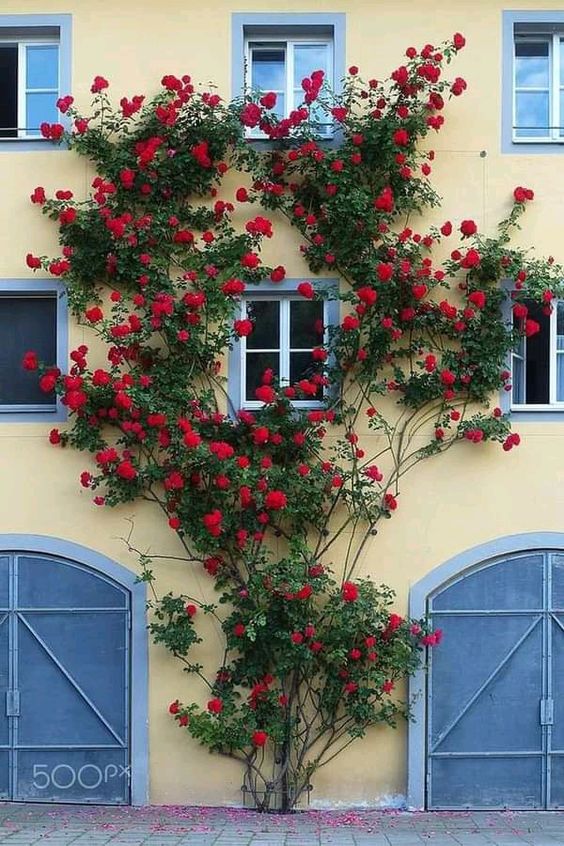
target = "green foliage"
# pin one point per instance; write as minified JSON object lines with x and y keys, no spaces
{"x":155,"y":267}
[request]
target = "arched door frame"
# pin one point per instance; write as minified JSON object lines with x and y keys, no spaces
{"x":77,"y":553}
{"x":418,"y":596}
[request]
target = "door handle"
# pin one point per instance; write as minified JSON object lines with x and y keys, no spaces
{"x":12,"y":703}
{"x":547,"y":712}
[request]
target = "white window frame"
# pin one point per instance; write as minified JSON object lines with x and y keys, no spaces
{"x":284,"y":349}
{"x":553,"y":403}
{"x":23,"y":42}
{"x":290,"y":92}
{"x":555,"y":134}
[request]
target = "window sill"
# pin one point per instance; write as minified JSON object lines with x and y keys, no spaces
{"x":48,"y":416}
{"x":526,"y":147}
{"x":267,"y":144}
{"x":12,"y":145}
{"x":537,"y":414}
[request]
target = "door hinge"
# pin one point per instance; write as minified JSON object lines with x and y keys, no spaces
{"x":547,"y":712}
{"x":12,"y":703}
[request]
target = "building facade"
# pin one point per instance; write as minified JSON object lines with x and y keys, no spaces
{"x":479,"y":542}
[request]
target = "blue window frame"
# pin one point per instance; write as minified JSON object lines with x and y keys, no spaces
{"x":287,"y":328}
{"x":533,"y":82}
{"x":35,"y":69}
{"x":33,"y":316}
{"x":274,"y":52}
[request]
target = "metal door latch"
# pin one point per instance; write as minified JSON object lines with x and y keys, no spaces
{"x":547,"y":712}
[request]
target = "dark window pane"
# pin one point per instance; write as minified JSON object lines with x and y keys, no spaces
{"x":538,"y":358}
{"x":265,"y":315}
{"x":8,"y":90}
{"x":256,"y":364}
{"x":302,"y":366}
{"x":26,"y":323}
{"x":531,"y":49}
{"x":306,"y":324}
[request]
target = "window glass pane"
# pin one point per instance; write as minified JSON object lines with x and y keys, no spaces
{"x":43,"y":66}
{"x":518,"y":394}
{"x":9,"y":91}
{"x":309,"y":58}
{"x":538,"y":358}
{"x":39,"y":108}
{"x":560,"y":354}
{"x":306,"y":324}
{"x":302,"y":366}
{"x":265,"y":315}
{"x":560,"y":377}
{"x":532,"y":114}
{"x":256,"y":364}
{"x":560,"y":325}
{"x":268,"y":69}
{"x":26,"y":323}
{"x":532,"y":64}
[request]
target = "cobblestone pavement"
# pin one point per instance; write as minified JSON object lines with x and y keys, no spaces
{"x":62,"y":825}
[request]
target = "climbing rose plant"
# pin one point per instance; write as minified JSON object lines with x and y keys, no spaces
{"x":279,"y":520}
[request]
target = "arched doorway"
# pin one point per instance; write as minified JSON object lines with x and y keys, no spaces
{"x":73,"y":679}
{"x":490,"y":730}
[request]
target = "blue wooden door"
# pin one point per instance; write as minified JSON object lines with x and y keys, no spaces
{"x":64,"y":683}
{"x":496,"y":689}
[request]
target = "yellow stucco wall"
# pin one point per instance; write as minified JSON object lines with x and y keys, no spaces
{"x":469,"y":496}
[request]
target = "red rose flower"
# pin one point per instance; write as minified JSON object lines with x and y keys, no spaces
{"x":349,"y":592}
{"x":259,"y":738}
{"x":468,"y":228}
{"x":126,"y":470}
{"x":268,"y":100}
{"x":30,"y":361}
{"x":521,"y":195}
{"x":243,"y":328}
{"x":99,"y":84}
{"x":275,"y":500}
{"x":215,"y":706}
{"x":306,"y":290}
{"x":401,"y":137}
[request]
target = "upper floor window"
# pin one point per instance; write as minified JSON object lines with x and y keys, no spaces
{"x":35,"y":64}
{"x":538,"y":363}
{"x":539,"y":87}
{"x":532,"y":82}
{"x":280,"y":63}
{"x":276,"y":51}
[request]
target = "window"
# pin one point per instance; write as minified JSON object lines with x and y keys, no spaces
{"x":286,"y":329}
{"x":538,"y":363}
{"x":32,"y":317}
{"x":280,"y":64}
{"x":274,"y":52}
{"x":533,"y":81}
{"x":539,"y":87}
{"x":29,"y":84}
{"x":34,"y":72}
